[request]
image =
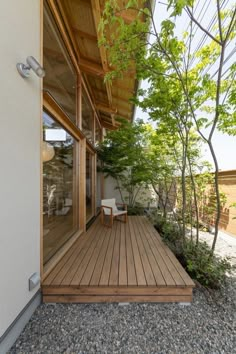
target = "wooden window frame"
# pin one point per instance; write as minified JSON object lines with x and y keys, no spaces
{"x":93,"y":182}
{"x":49,"y":104}
{"x":51,"y":107}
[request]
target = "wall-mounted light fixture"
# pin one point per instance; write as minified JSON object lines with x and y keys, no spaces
{"x":48,"y":151}
{"x":24,"y":70}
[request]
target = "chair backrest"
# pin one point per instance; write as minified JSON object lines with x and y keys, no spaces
{"x":109,"y":203}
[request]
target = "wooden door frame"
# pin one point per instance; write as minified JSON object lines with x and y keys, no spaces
{"x":92,"y":151}
{"x":50,"y":105}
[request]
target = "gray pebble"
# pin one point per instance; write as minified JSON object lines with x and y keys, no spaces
{"x":207,"y":326}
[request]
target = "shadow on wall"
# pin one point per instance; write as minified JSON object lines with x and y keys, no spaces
{"x":227,"y":185}
{"x":225,"y":218}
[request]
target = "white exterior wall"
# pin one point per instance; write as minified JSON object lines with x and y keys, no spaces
{"x":20,"y":114}
{"x":146,"y":197}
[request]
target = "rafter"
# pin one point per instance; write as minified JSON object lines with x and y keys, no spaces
{"x":108,"y":126}
{"x":123,"y":87}
{"x":83,"y":34}
{"x":114,"y":86}
{"x":106,"y":109}
{"x":97,"y":18}
{"x":125,"y":100}
{"x":89,"y":67}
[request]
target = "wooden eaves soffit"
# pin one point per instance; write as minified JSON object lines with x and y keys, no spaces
{"x":80,"y":20}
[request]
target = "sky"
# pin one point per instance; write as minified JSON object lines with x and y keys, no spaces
{"x":225,"y":145}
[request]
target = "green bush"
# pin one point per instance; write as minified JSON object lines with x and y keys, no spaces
{"x":201,"y":265}
{"x":135,"y":210}
{"x":198,"y":260}
{"x":169,"y":231}
{"x":159,"y":223}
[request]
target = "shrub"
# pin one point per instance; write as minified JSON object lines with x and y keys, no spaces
{"x":204,"y":266}
{"x":198,"y":260}
{"x":169,"y":231}
{"x":159,"y":223}
{"x":135,"y":210}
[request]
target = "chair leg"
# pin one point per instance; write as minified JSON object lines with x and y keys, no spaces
{"x":111,"y":220}
{"x":102,"y":217}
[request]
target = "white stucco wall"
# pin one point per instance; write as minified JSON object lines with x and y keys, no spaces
{"x":20,"y":114}
{"x":146,"y":197}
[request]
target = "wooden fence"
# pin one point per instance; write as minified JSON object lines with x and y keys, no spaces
{"x":227,"y":183}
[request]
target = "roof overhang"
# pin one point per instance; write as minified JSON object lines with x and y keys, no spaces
{"x":81,"y":19}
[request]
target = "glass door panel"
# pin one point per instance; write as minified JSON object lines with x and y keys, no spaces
{"x":89,"y":185}
{"x":59,"y":187}
{"x":98,"y":186}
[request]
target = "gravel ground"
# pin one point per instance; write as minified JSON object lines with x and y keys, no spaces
{"x":225,"y":245}
{"x":207,"y":326}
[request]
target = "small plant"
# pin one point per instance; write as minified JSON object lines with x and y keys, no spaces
{"x":198,"y":259}
{"x":171,"y":233}
{"x":202,"y":265}
{"x":158,"y":222}
{"x":135,"y":210}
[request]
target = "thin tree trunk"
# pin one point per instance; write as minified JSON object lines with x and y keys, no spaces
{"x":183,"y":186}
{"x":119,"y":189}
{"x":217,"y":192}
{"x":195,"y":201}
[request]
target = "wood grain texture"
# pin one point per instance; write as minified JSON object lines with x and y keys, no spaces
{"x":115,"y":298}
{"x":128,"y":262}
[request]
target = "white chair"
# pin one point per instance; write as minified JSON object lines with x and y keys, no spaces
{"x":109,"y":208}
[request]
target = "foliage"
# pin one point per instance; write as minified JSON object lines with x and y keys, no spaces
{"x":197,"y":259}
{"x":182,"y":98}
{"x":123,"y":155}
{"x":136,"y":210}
{"x":206,"y":268}
{"x":233,"y":205}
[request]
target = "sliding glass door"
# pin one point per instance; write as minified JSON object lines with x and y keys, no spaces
{"x":60,"y":194}
{"x":89,"y":185}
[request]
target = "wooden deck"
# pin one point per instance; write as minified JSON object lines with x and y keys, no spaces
{"x":128,"y":263}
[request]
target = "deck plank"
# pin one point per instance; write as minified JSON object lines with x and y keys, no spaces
{"x":131,"y":272}
{"x":99,"y":265}
{"x":72,"y":264}
{"x":90,"y":266}
{"x":72,"y":252}
{"x":65,"y":264}
{"x":116,"y":298}
{"x":123,"y":260}
{"x":162,"y":247}
{"x":104,"y":280}
{"x":141,"y":280}
{"x":114,"y":273}
{"x":119,"y":290}
{"x":143,"y":255}
{"x":154,"y":262}
{"x":83,"y":261}
{"x":128,"y":262}
{"x":159,"y":259}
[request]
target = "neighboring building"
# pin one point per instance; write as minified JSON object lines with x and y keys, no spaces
{"x":49,"y":187}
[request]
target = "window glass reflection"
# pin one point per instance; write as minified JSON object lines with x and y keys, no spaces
{"x":60,"y":79}
{"x":99,"y":186}
{"x":89,"y":192}
{"x":87,"y":118}
{"x":59,"y":188}
{"x":98,"y":132}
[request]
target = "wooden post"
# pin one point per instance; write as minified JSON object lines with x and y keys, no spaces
{"x":82,"y":186}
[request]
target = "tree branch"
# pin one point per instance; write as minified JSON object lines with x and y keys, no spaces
{"x":219,"y":20}
{"x":231,"y":25}
{"x":187,"y":9}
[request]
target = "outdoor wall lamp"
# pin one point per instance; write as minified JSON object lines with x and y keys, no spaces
{"x":24,"y":70}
